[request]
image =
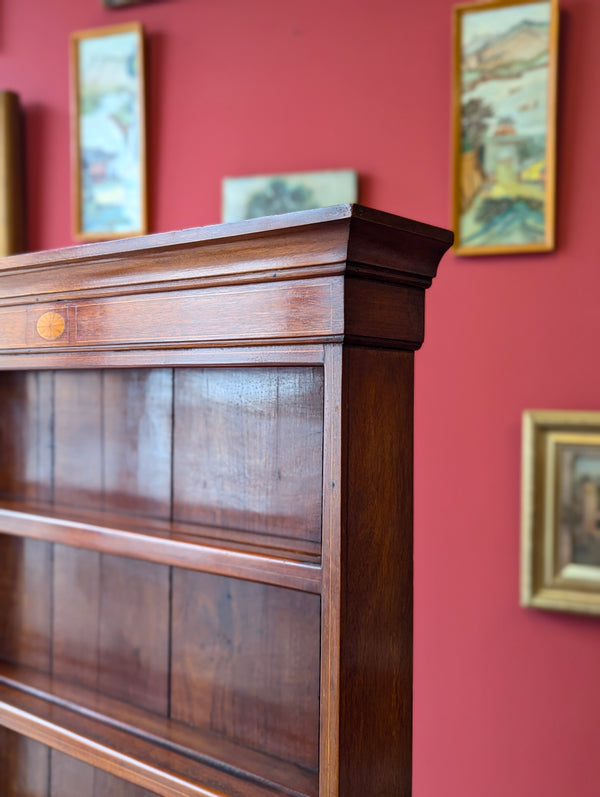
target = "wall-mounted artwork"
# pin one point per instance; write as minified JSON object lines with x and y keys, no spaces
{"x":269,"y":195}
{"x":108,"y":133}
{"x":12,"y":176}
{"x":121,"y":3}
{"x":560,"y":557}
{"x":504,"y":107}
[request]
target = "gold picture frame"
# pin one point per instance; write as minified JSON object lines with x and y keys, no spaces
{"x":12,"y":176}
{"x":108,"y":133}
{"x":504,"y":126}
{"x":560,"y":522}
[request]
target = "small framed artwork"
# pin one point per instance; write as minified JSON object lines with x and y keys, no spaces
{"x":560,"y":524}
{"x":272,"y":194}
{"x":122,"y":3}
{"x":12,"y":176}
{"x":504,"y":126}
{"x":108,"y":132}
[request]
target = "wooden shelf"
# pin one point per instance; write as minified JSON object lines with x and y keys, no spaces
{"x":206,"y":543}
{"x":144,"y":748}
{"x":269,"y":560}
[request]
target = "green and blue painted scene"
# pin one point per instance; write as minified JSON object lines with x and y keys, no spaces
{"x":109,"y":133}
{"x":503,"y":168}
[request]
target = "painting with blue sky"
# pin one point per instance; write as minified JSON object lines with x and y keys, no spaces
{"x":505,"y":57}
{"x":110,"y":133}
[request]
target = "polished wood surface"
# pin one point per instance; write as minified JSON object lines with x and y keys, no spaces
{"x":279,"y":561}
{"x":261,"y":281}
{"x":193,"y":742}
{"x":206,"y":509}
{"x":72,"y":778}
{"x":25,"y":597}
{"x":273,"y":420}
{"x":377,"y":581}
{"x":24,"y":766}
{"x":25,"y":434}
{"x":255,"y":677}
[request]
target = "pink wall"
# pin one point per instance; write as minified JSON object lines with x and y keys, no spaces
{"x":506,"y":699}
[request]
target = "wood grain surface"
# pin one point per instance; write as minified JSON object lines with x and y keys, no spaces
{"x":206,"y":510}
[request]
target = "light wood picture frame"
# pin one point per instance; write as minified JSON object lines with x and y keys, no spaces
{"x":108,"y":133}
{"x":560,"y":521}
{"x":504,"y":126}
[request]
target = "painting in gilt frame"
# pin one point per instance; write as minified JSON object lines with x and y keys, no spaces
{"x":560,"y":556}
{"x":12,"y":176}
{"x":108,"y":132}
{"x":504,"y":118}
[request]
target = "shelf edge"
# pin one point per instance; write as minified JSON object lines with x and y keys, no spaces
{"x":258,"y":567}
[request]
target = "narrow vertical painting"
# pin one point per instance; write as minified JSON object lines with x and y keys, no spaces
{"x":504,"y":110}
{"x":108,"y":109}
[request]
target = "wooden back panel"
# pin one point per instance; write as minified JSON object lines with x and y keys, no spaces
{"x":30,"y":769}
{"x":231,"y":448}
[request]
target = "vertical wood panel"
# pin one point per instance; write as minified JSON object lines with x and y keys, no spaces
{"x":77,"y":481}
{"x":330,"y":552}
{"x":137,"y":426}
{"x":376,"y":598}
{"x":23,"y":766}
{"x":134,"y":632}
{"x":248,"y":449}
{"x":246,"y":663}
{"x":26,"y":434}
{"x":78,"y":438}
{"x":113,"y":437}
{"x":111,"y":626}
{"x":76,"y":615}
{"x":25,"y":601}
{"x":69,"y":777}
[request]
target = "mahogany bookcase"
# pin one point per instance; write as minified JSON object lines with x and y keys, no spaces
{"x":206,"y":509}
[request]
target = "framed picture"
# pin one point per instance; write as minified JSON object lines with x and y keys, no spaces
{"x":271,"y":194}
{"x":12,"y":176}
{"x":121,"y":3}
{"x":504,"y":109}
{"x":108,"y":132}
{"x":560,"y":556}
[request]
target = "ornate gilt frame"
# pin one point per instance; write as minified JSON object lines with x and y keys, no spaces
{"x":560,"y":520}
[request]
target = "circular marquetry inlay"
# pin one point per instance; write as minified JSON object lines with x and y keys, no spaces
{"x":51,"y":325}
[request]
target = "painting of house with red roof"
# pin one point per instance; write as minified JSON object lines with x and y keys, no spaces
{"x":505,"y":86}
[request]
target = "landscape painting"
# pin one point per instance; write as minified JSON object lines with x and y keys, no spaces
{"x":108,"y":132}
{"x":272,"y":194}
{"x":504,"y":126}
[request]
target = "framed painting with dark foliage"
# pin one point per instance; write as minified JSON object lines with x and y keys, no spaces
{"x":121,"y":3}
{"x":272,"y":194}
